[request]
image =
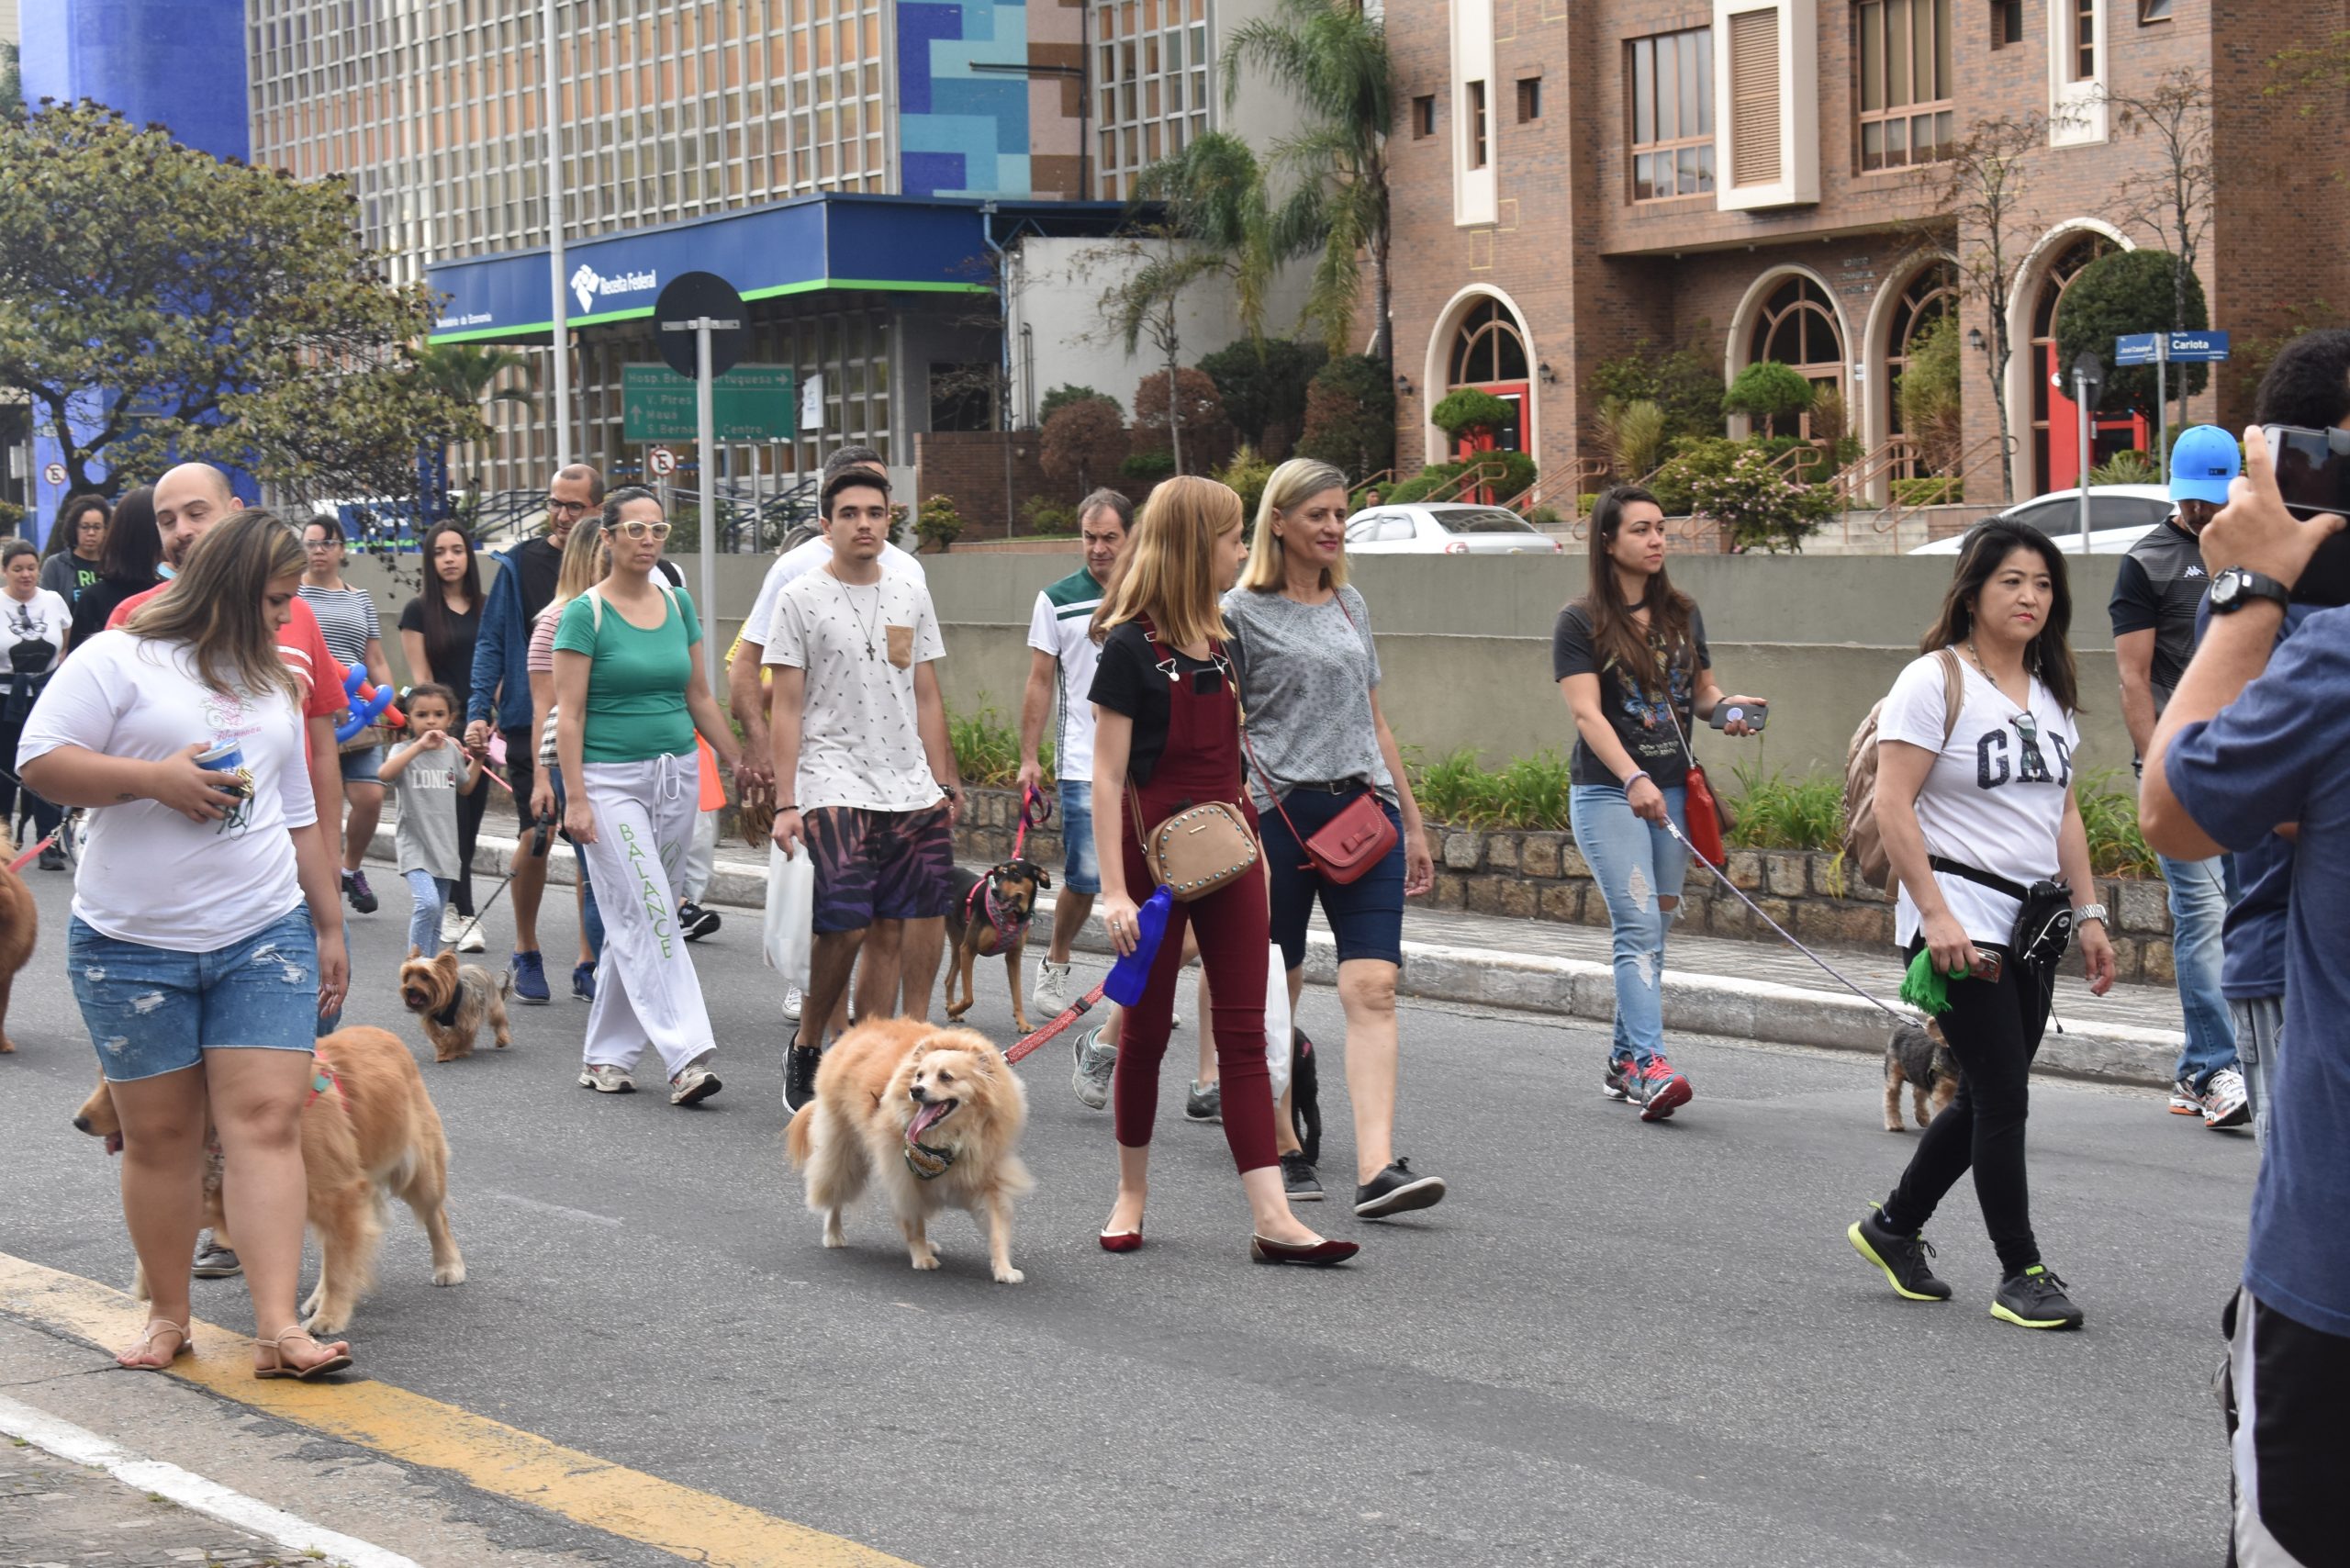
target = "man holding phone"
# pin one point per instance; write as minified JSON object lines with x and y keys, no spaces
{"x":2156,"y":593}
{"x":2257,"y":738}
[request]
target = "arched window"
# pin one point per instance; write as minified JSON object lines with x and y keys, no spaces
{"x":1931,"y":298}
{"x":1487,"y":348}
{"x":1796,"y":326}
{"x":2076,"y":255}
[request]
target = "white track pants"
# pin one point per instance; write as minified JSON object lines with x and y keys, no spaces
{"x":702,"y":857}
{"x":646,"y":991}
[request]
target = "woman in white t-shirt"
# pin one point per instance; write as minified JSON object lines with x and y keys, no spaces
{"x":206,"y":937}
{"x":1975,"y":808}
{"x":35,"y":625}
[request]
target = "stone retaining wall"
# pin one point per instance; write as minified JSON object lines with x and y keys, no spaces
{"x":1542,"y":876}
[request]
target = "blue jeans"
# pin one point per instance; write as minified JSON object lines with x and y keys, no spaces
{"x":156,"y":1010}
{"x":431,"y":895}
{"x":1636,"y":864}
{"x":1081,"y":862}
{"x":2201,"y":892}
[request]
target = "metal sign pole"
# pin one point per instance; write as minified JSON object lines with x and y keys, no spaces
{"x":706,"y":441}
{"x":2081,"y":410}
{"x":2162,"y":406}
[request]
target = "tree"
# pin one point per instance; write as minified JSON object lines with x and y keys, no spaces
{"x":1927,"y":391}
{"x":1686,"y":382}
{"x":1632,"y":434}
{"x":1981,"y":186}
{"x":1769,"y":391}
{"x":1263,"y":385}
{"x":1084,"y":440}
{"x":1150,"y":267}
{"x":467,"y":375}
{"x":2174,"y":198}
{"x":159,"y":304}
{"x":1214,"y":201}
{"x":1331,"y":61}
{"x":1759,"y":506}
{"x":1062,"y":395}
{"x":1351,"y":416}
{"x":12,"y":84}
{"x":1192,"y":405}
{"x":2125,"y":292}
{"x":1468,"y":411}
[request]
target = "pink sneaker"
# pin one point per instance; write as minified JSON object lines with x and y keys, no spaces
{"x":1662,"y":1091}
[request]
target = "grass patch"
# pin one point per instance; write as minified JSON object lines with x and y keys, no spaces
{"x":1774,"y":812}
{"x":2110,"y":813}
{"x":1530,"y":793}
{"x":987,"y":750}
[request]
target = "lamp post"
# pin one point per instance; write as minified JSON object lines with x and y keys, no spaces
{"x":562,"y":330}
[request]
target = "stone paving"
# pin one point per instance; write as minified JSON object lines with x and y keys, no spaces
{"x":57,"y":1514}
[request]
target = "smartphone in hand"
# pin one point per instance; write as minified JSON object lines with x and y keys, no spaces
{"x":1755,"y":714}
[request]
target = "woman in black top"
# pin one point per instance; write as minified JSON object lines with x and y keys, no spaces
{"x":1631,"y":657}
{"x":126,"y":563}
{"x":438,"y":628}
{"x":74,"y":540}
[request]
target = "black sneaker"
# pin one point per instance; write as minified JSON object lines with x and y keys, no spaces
{"x":1297,"y":1179}
{"x":697,"y":921}
{"x":2035,"y":1299}
{"x":1903,"y":1257}
{"x":1204,"y":1102}
{"x":1396,"y":1189}
{"x":213,"y":1261}
{"x":52,"y":858}
{"x":1620,"y":1080}
{"x":799,"y":1063}
{"x":362,"y":897}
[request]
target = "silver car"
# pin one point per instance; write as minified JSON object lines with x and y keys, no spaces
{"x":1444,"y":528}
{"x":2120,"y":515}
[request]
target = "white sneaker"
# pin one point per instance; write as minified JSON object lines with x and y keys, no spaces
{"x":792,"y":998}
{"x":606,"y":1079}
{"x":696,"y":1084}
{"x":2224,"y":1103}
{"x":471,"y":940}
{"x":453,"y":925}
{"x":1051,"y":996}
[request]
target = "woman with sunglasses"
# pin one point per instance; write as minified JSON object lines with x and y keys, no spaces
{"x":1975,"y":799}
{"x":631,"y":690}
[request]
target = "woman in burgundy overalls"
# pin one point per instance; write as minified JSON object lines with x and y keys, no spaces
{"x":1166,"y":736}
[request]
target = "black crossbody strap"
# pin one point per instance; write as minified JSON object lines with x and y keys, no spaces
{"x":1964,"y":872}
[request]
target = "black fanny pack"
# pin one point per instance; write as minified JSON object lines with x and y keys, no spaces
{"x":2043,"y":925}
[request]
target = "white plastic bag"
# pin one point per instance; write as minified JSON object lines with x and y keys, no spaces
{"x":790,"y":913}
{"x":1277,"y":1022}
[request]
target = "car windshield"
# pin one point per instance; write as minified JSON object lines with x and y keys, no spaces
{"x":1488,"y":519}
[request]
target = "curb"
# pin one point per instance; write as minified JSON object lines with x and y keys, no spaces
{"x":1574,"y":988}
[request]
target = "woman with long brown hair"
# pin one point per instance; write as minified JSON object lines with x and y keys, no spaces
{"x":185,"y":729}
{"x":1167,"y":736}
{"x":1631,"y":657}
{"x":1975,"y":799}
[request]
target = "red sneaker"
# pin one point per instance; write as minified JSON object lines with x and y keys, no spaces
{"x":1664,"y":1091}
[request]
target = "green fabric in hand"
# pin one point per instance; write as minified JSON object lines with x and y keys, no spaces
{"x":1925,"y":988}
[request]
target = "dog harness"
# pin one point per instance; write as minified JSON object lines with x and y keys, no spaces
{"x":322,"y":1078}
{"x":447,"y":1016}
{"x":927,"y":1163}
{"x":1006,"y":926}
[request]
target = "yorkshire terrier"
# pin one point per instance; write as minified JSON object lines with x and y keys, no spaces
{"x":1918,"y":1056}
{"x":453,"y":1002}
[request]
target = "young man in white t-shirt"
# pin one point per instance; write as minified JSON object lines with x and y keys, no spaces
{"x":865,"y":774}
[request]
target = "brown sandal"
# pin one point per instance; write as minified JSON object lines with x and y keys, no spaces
{"x":146,"y":1342}
{"x":332,"y":1362}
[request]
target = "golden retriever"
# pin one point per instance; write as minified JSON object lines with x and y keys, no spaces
{"x":20,"y":924}
{"x":933,"y":1116}
{"x":370,"y":1132}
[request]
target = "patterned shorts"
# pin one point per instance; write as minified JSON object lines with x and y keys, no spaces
{"x":879,"y":865}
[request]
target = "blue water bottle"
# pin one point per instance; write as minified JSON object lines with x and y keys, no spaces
{"x":1131,"y":973}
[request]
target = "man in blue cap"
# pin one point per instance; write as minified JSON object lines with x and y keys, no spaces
{"x":2156,"y":597}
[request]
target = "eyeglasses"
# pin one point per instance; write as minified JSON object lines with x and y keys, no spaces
{"x":568,"y":508}
{"x":317,"y":544}
{"x":637,"y":528}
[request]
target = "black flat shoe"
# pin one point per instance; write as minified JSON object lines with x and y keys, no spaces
{"x":1320,"y":1254}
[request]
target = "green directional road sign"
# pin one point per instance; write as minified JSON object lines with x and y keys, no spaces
{"x":750,"y":402}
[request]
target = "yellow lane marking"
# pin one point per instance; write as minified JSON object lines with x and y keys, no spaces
{"x":487,"y":1454}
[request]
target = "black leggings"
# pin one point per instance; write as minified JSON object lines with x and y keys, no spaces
{"x":1994,"y":1031}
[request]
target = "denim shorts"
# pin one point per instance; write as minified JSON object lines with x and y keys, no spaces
{"x":1366,"y":916}
{"x":364,"y":766}
{"x":1080,"y":864}
{"x":156,"y":1010}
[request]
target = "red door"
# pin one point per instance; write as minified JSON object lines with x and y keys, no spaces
{"x":1511,"y":437}
{"x":2108,"y":433}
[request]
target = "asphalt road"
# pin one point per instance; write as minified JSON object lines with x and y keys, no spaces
{"x":1615,"y":1344}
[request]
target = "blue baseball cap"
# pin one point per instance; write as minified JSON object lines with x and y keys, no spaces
{"x":2201,"y":464}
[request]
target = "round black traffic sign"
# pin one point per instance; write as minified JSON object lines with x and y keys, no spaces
{"x":692,"y":297}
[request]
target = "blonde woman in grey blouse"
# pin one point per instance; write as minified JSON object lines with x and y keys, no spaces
{"x":1309,"y":685}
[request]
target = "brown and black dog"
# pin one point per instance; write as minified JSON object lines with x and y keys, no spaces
{"x":990,"y":916}
{"x":453,"y":1001}
{"x":19,"y":923}
{"x":1918,"y":1056}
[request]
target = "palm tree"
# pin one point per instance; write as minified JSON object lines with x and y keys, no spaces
{"x":467,"y":375}
{"x":1332,"y":59}
{"x":1217,"y":203}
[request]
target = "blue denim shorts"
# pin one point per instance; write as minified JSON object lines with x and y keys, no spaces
{"x":1082,"y":863}
{"x":1366,"y":916}
{"x":364,"y":766}
{"x":155,"y":1010}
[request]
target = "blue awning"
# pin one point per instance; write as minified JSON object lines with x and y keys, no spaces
{"x":895,"y":244}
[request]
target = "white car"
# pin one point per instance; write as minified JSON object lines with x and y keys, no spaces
{"x":2120,"y":515}
{"x":1444,"y":528}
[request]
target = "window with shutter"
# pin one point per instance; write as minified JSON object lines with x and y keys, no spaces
{"x":1754,"y":144}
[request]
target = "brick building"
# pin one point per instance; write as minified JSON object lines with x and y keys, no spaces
{"x":1757,"y":176}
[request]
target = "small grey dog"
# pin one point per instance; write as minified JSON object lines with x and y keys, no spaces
{"x":1918,"y":1056}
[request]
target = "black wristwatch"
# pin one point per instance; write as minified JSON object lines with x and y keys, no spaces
{"x":2235,"y":588}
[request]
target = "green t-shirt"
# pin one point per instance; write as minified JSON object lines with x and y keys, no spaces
{"x":636,"y":683}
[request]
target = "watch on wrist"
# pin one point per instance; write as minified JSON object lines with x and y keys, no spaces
{"x":2237,"y":586}
{"x":2090,"y":912}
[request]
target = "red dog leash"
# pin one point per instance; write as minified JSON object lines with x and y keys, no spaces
{"x":1075,"y":1011}
{"x":1034,"y":810}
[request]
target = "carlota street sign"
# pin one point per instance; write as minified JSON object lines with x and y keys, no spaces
{"x":2172,"y":348}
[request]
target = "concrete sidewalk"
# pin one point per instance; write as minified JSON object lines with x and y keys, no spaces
{"x":1713,"y":985}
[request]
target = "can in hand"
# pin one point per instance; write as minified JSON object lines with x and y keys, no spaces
{"x":226,"y":757}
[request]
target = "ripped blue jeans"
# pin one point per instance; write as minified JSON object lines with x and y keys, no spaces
{"x":1635,"y":865}
{"x":156,"y":1010}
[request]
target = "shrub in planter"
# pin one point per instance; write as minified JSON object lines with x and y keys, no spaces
{"x":1084,"y":440}
{"x":938,"y":523}
{"x":1467,"y":410}
{"x":1769,"y":390}
{"x":1932,"y":489}
{"x":1544,"y":517}
{"x":1351,"y":415}
{"x":1148,"y":466}
{"x":2127,"y":467}
{"x":1698,"y":457}
{"x":1059,"y":396}
{"x":1042,"y":515}
{"x":1760,"y":508}
{"x":1247,"y":474}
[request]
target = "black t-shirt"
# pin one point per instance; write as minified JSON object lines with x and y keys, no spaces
{"x":539,"y":563}
{"x":1635,"y":711}
{"x":452,"y":659}
{"x":96,"y":605}
{"x":2159,"y":588}
{"x":1127,"y":680}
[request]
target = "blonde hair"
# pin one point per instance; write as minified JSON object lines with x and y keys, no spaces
{"x":1169,"y":574}
{"x":214,"y":605}
{"x":583,"y":563}
{"x":1291,"y":484}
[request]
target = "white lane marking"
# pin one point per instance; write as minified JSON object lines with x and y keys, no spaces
{"x":520,"y":1202}
{"x":190,"y":1491}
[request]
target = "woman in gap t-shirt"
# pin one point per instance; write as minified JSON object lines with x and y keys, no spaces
{"x":1631,"y":660}
{"x":206,"y":938}
{"x":1972,"y":815}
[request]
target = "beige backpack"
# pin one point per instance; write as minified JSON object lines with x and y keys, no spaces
{"x":1863,"y":843}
